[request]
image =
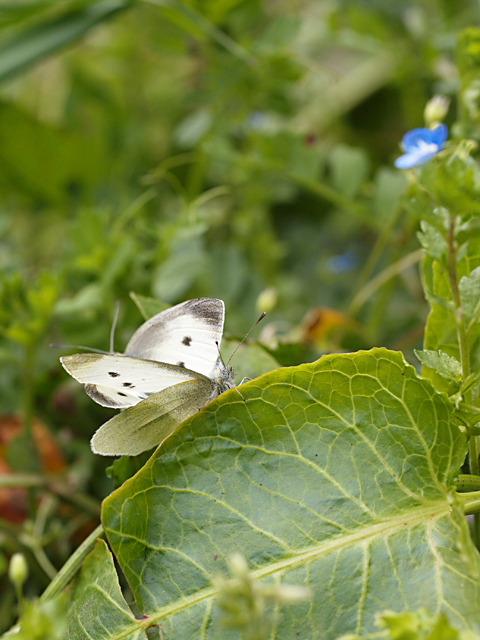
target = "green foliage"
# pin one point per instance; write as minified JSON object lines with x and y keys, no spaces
{"x":152,"y":152}
{"x":444,"y":365}
{"x":26,"y":310}
{"x":419,"y":625}
{"x":53,"y":32}
{"x":304,"y":478}
{"x":99,"y":609}
{"x":42,"y":620}
{"x":469,"y":289}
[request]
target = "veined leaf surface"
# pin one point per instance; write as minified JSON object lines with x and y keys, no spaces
{"x":334,"y":475}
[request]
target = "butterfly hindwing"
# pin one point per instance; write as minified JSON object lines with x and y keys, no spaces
{"x":119,"y":381}
{"x":150,"y":422}
{"x":186,"y":335}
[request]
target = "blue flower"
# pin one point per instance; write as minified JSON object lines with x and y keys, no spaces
{"x":420,"y":145}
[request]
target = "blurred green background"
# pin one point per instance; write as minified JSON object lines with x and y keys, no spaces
{"x":226,"y":148}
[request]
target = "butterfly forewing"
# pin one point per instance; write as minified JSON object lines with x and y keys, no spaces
{"x":186,"y":335}
{"x":119,"y":381}
{"x":149,"y":423}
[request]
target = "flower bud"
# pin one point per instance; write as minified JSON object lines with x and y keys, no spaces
{"x":238,"y":565}
{"x":267,"y":300}
{"x":18,"y":569}
{"x":435,"y":111}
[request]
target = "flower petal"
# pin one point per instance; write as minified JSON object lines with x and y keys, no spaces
{"x":421,"y":145}
{"x":412,"y":139}
{"x":416,"y":158}
{"x":440,"y":134}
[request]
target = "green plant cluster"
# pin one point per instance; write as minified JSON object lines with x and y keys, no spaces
{"x":153,"y":151}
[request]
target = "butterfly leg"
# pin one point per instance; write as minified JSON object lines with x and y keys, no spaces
{"x":236,"y":389}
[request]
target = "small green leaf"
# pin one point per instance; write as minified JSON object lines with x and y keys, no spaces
{"x":41,"y":620}
{"x":469,"y":289}
{"x":389,"y":185}
{"x":193,"y":128}
{"x":26,"y":307}
{"x":99,"y":609}
{"x":148,"y":307}
{"x":187,"y":261}
{"x":420,"y":625}
{"x":445,"y":365}
{"x":441,"y":327}
{"x":432,"y":241}
{"x":90,"y":297}
{"x":125,"y":467}
{"x":349,"y":169}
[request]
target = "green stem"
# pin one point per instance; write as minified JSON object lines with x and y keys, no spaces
{"x":467,"y":483}
{"x":58,"y":486}
{"x":366,"y":291}
{"x":209,"y":28}
{"x":464,"y":356}
{"x":73,"y":564}
{"x":27,"y":420}
{"x":323,"y":191}
{"x":43,"y":561}
{"x":470,"y":503}
{"x":381,"y":242}
{"x":461,"y":329}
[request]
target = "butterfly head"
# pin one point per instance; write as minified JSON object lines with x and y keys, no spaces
{"x":223,"y":377}
{"x":227,"y":373}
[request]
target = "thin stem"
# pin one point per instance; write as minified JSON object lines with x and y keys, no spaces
{"x":132,"y":210}
{"x":59,"y":486}
{"x":209,"y":28}
{"x":366,"y":291}
{"x":380,"y":244}
{"x":42,"y":559}
{"x":459,"y":319}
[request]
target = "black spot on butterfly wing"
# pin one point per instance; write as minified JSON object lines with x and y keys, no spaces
{"x":119,"y":393}
{"x":113,"y":374}
{"x":187,"y":341}
{"x":181,"y":364}
{"x":128,"y":384}
{"x":98,"y":396}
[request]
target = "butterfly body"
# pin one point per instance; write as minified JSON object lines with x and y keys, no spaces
{"x":170,"y":369}
{"x":223,"y":379}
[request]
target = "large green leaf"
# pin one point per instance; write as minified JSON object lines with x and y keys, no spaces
{"x":334,"y":475}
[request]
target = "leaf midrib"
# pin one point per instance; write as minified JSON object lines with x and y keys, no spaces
{"x":369,"y":533}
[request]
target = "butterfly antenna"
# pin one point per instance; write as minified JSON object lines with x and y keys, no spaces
{"x":76,"y":346}
{"x":246,"y":336}
{"x":219,"y":353}
{"x":114,"y":324}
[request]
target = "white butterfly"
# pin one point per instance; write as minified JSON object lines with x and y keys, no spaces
{"x":170,"y":369}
